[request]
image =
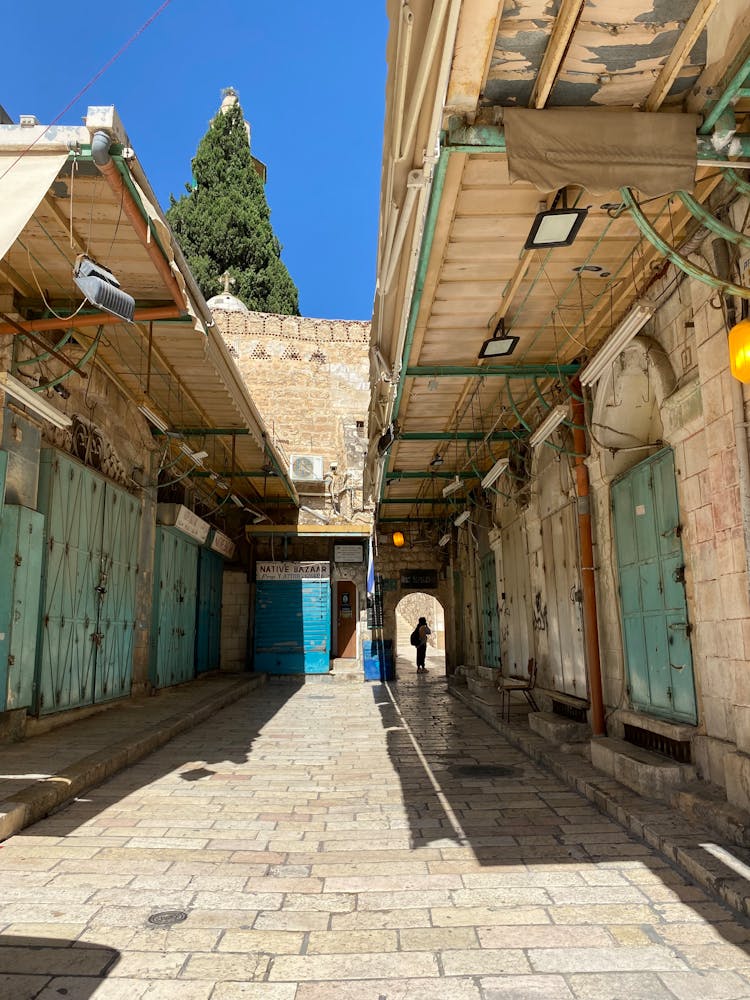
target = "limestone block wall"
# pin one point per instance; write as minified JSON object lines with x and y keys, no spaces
{"x":235,"y":612}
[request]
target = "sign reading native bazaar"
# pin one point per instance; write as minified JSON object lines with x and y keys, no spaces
{"x":292,"y":571}
{"x":422,"y":579}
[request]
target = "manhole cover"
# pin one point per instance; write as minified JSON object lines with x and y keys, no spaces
{"x":166,"y":917}
{"x":483,"y":771}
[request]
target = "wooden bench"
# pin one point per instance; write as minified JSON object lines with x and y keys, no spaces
{"x":525,"y":685}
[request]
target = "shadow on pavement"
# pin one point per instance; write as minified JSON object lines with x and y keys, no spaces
{"x":33,"y":968}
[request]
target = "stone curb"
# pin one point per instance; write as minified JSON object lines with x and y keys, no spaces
{"x":41,"y":798}
{"x":656,"y":823}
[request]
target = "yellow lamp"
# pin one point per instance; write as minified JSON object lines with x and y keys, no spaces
{"x":398,"y":539}
{"x":739,"y":350}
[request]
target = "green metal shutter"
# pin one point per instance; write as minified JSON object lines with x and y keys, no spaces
{"x":174,"y":609}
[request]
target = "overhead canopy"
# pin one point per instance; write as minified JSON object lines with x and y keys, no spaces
{"x":601,"y":151}
{"x":24,"y":181}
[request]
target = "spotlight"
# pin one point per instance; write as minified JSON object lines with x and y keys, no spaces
{"x":437,"y":461}
{"x":102,"y":288}
{"x":553,"y":420}
{"x":500,"y":344}
{"x":555,"y":227}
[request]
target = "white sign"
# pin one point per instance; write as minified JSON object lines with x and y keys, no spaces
{"x":293,"y":571}
{"x":223,"y":545}
{"x":348,"y":553}
{"x":178,"y":516}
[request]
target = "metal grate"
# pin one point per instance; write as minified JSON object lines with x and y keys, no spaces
{"x":678,"y":750}
{"x":569,"y":711}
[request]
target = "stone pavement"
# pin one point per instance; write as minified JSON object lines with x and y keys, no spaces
{"x":351,"y":841}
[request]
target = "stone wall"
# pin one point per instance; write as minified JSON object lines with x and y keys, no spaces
{"x":235,"y":610}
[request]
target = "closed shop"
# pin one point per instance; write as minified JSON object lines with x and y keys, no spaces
{"x":292,"y":618}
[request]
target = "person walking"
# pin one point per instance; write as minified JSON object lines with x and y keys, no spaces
{"x":422,"y":630}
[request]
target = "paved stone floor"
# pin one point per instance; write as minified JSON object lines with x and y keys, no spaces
{"x":351,"y":841}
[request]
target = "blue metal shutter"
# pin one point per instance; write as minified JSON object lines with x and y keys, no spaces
{"x":292,"y":626}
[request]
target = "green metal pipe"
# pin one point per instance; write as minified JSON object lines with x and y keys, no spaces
{"x":46,"y":356}
{"x":203,"y":474}
{"x":416,"y":500}
{"x":739,"y":183}
{"x":396,"y":475}
{"x":508,"y":371}
{"x":670,"y":253}
{"x":456,"y":436}
{"x":730,"y":92}
{"x":710,"y":221}
{"x":204,"y":431}
{"x":84,"y":360}
{"x":515,"y":409}
{"x":409,"y":520}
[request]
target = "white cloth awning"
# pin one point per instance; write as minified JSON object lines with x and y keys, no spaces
{"x":24,"y":182}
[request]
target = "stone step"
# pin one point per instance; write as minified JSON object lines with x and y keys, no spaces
{"x":346,"y":669}
{"x":557,"y":729}
{"x":644,"y":772}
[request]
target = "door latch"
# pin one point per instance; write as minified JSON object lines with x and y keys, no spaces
{"x":679,"y":575}
{"x":97,"y":638}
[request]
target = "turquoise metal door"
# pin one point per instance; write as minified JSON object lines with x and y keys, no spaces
{"x":174,"y":609}
{"x":292,"y":626}
{"x":72,"y":498}
{"x":21,"y":548}
{"x":117,"y":587}
{"x":208,"y":635}
{"x":656,"y":631}
{"x":490,"y":613}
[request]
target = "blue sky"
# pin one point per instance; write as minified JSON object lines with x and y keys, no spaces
{"x":310,"y":76}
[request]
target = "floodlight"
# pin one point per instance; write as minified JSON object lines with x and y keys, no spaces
{"x":462,"y":518}
{"x":557,"y":227}
{"x":33,"y":401}
{"x":452,"y":487}
{"x":102,"y":288}
{"x":444,"y":540}
{"x":152,"y":418}
{"x":553,"y":420}
{"x":495,"y":472}
{"x":616,"y":343}
{"x":500,"y":344}
{"x":437,"y":461}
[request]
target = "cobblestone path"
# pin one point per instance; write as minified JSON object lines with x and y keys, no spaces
{"x":351,"y":842}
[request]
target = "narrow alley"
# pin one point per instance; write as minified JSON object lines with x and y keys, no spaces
{"x":328,"y":840}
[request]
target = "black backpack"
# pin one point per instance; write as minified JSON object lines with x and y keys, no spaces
{"x":414,"y":637}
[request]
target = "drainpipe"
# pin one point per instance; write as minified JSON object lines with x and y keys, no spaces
{"x":723,"y":269}
{"x":100,"y":143}
{"x":588,"y":582}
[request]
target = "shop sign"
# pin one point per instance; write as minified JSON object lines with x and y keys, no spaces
{"x":223,"y":545}
{"x":419,"y":579}
{"x":348,"y":553}
{"x":293,"y":571}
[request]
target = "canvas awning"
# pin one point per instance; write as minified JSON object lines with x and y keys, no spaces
{"x":23,"y":184}
{"x":601,"y":150}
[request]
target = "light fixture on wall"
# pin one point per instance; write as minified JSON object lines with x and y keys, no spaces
{"x":462,"y":518}
{"x":494,"y":473}
{"x":619,"y":339}
{"x":156,"y":421}
{"x":556,"y":226}
{"x":32,"y":401}
{"x":102,"y":288}
{"x":453,"y":487}
{"x":444,"y":540}
{"x":739,"y":350}
{"x":500,"y":344}
{"x":398,"y":539}
{"x":553,"y":420}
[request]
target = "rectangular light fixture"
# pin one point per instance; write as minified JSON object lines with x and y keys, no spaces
{"x":195,"y":456}
{"x":152,"y":418}
{"x":553,"y":420}
{"x":494,"y":473}
{"x":33,"y":401}
{"x":236,"y":500}
{"x":557,"y":227}
{"x":452,"y":487}
{"x":102,"y":288}
{"x":462,"y":518}
{"x":619,"y":339}
{"x":500,"y":344}
{"x":444,"y":541}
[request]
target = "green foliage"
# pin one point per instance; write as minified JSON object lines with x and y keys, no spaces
{"x":223,"y":223}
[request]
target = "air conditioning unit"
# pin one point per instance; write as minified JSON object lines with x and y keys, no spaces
{"x":306,"y":468}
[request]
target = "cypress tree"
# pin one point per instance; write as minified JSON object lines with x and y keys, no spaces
{"x":223,"y":223}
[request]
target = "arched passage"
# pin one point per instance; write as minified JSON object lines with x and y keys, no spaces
{"x":409,"y":610}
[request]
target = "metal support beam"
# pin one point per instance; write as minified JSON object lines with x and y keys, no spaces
{"x":507,"y":371}
{"x":203,"y":431}
{"x":395,"y":475}
{"x":415,"y":500}
{"x":457,"y":436}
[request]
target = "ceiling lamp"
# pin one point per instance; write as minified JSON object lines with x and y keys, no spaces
{"x":739,"y":350}
{"x":102,"y":288}
{"x":555,"y":227}
{"x":437,"y":461}
{"x":152,"y":418}
{"x":495,"y":472}
{"x":452,"y":487}
{"x":444,"y":540}
{"x":500,"y":344}
{"x":33,"y":401}
{"x":462,"y":518}
{"x":621,"y":336}
{"x":398,"y":539}
{"x":553,"y":420}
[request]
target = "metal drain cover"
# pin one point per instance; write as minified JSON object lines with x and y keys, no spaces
{"x":167,"y":917}
{"x":483,"y":771}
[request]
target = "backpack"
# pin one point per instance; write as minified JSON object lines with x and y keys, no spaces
{"x":414,"y":637}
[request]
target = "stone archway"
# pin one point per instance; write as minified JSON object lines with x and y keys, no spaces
{"x":408,"y":612}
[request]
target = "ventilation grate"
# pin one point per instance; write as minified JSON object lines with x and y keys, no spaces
{"x":678,"y":750}
{"x":569,"y":711}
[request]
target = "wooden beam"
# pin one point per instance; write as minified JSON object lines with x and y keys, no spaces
{"x":15,"y":280}
{"x":676,"y":59}
{"x":52,"y":203}
{"x":557,"y":47}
